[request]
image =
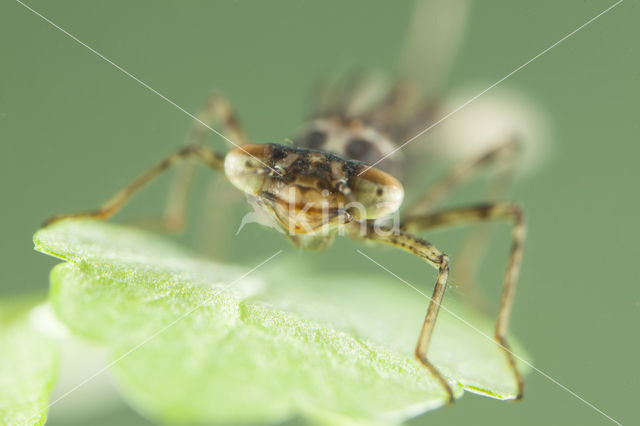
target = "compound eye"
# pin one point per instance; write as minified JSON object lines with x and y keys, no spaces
{"x":315,"y":139}
{"x":361,"y":150}
{"x":244,"y":167}
{"x":376,"y":194}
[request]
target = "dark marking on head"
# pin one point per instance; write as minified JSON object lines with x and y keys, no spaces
{"x":336,"y":171}
{"x":323,"y":167}
{"x":379,"y":192}
{"x":278,"y":152}
{"x":350,"y":168}
{"x":301,"y":163}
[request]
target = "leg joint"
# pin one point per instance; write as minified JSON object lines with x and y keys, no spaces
{"x":443,"y":262}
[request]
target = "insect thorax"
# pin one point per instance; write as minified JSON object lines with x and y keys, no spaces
{"x":349,"y":138}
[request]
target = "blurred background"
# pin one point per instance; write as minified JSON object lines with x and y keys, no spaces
{"x":73,"y":129}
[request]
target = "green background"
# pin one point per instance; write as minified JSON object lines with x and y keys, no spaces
{"x":73,"y":129}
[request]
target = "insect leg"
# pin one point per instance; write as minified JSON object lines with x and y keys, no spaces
{"x":483,"y":213}
{"x":217,"y":111}
{"x":501,"y":158}
{"x":438,"y":259}
{"x":113,"y":204}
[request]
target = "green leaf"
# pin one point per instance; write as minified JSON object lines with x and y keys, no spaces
{"x":197,"y":342}
{"x":28,"y":365}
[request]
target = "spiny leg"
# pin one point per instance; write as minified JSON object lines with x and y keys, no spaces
{"x":501,"y":158}
{"x":483,"y":213}
{"x":438,"y":259}
{"x":217,"y":111}
{"x":113,"y":204}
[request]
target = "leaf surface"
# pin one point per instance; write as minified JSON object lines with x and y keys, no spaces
{"x":28,"y":365}
{"x":200,"y":342}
